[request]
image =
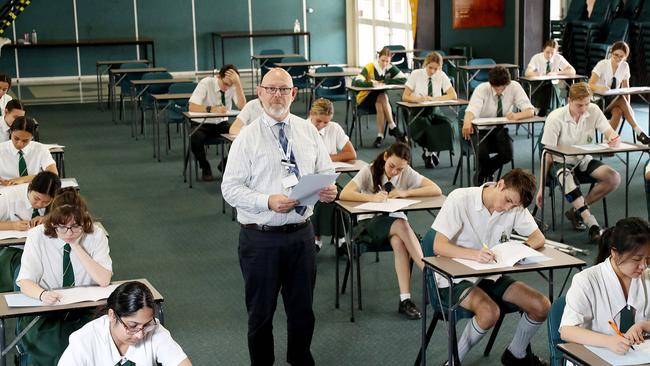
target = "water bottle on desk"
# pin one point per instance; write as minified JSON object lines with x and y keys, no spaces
{"x":296,"y":26}
{"x":34,"y":36}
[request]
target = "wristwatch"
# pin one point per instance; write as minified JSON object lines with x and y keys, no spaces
{"x":208,"y":109}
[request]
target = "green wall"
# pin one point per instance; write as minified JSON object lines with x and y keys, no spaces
{"x":169,"y":23}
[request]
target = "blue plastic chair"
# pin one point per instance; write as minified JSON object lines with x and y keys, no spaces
{"x":481,"y":76}
{"x":299,"y":75}
{"x":146,"y":101}
{"x":399,"y":59}
{"x":333,"y":88}
{"x":125,"y":85}
{"x":176,"y":107}
{"x":553,"y":327}
{"x":269,"y":63}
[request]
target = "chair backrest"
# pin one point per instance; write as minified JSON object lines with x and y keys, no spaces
{"x":269,"y":63}
{"x":157,"y":88}
{"x":601,"y":11}
{"x":125,"y":86}
{"x":644,"y":12}
{"x":577,"y":11}
{"x":618,"y":30}
{"x":180,"y":105}
{"x":631,"y":9}
{"x":553,"y":326}
{"x":330,"y":86}
{"x":481,"y":76}
{"x":399,"y":59}
{"x":298,"y":73}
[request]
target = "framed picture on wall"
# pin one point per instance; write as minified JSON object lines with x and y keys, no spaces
{"x":478,"y":13}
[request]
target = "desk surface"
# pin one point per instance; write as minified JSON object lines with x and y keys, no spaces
{"x":84,"y":42}
{"x":486,"y":67}
{"x":190,"y":115}
{"x":7,"y":312}
{"x":535,"y":119}
{"x":552,"y":77}
{"x":444,"y":58}
{"x":335,"y":74}
{"x":356,"y":166}
{"x":441,"y":103}
{"x":113,"y":62}
{"x":573,"y":151}
{"x":266,"y":33}
{"x":171,"y":96}
{"x":374,"y":88}
{"x":626,"y":91}
{"x":581,"y":354}
{"x":159,"y":81}
{"x":426,"y":203}
{"x":277,"y":55}
{"x":301,"y":63}
{"x":408,"y":50}
{"x":457,"y":270}
{"x":228,"y":136}
{"x":131,"y":71}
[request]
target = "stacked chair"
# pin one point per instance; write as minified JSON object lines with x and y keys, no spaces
{"x":640,"y":44}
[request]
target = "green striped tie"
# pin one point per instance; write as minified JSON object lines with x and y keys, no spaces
{"x":68,"y":271}
{"x":548,"y":66}
{"x":627,"y":319}
{"x":223,"y":98}
{"x":430,"y":88}
{"x":22,"y":165}
{"x":35,"y":213}
{"x":499,"y":105}
{"x":127,"y":363}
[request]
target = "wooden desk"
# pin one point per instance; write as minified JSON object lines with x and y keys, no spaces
{"x":356,"y":166}
{"x":640,"y":91}
{"x":7,"y":313}
{"x":452,"y":270}
{"x":349,"y":209}
{"x":113,"y":81}
{"x":288,"y":65}
{"x":166,"y":98}
{"x":257,"y":34}
{"x":538,"y":81}
{"x":470,"y":72}
{"x":258,"y":61}
{"x":318,"y":78}
{"x":579,"y":355}
{"x":58,"y":154}
{"x":353,"y":90}
{"x":109,"y":64}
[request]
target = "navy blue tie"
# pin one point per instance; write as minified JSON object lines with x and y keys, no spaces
{"x":282,"y":137}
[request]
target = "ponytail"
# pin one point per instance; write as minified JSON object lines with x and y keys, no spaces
{"x":627,"y":236}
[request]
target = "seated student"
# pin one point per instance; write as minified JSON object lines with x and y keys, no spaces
{"x":614,"y":289}
{"x":647,"y":186}
{"x":472,"y":219}
{"x":577,"y":123}
{"x":68,"y":249}
{"x":335,"y":139}
{"x":613,"y":74}
{"x":546,"y":63}
{"x":5,"y":85}
{"x":14,"y":109}
{"x":375,"y":74}
{"x":390,"y":176}
{"x":216,"y":95}
{"x":21,"y":158}
{"x":251,"y":111}
{"x":427,"y":84}
{"x":22,"y":207}
{"x":495,"y":98}
{"x":127,"y":334}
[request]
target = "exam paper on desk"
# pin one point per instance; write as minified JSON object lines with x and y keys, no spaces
{"x":390,"y":205}
{"x":508,"y":254}
{"x":639,"y":356}
{"x":68,"y":296}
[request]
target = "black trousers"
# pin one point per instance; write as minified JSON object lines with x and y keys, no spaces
{"x":201,"y":135}
{"x":499,"y":142}
{"x":274,"y":263}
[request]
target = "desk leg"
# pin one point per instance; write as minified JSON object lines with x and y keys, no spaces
{"x":562,"y":198}
{"x":531,"y":127}
{"x":99,"y":88}
{"x":351,"y":253}
{"x":111,"y":94}
{"x":451,"y":342}
{"x":154,"y":122}
{"x":214,"y":56}
{"x":550,"y":285}
{"x":133,"y":115}
{"x":3,"y":359}
{"x":423,"y":350}
{"x":627,"y":180}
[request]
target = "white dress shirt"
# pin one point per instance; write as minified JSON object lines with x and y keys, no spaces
{"x":466,"y":222}
{"x":605,"y":74}
{"x":334,"y":137}
{"x":254,"y":170}
{"x":15,"y":205}
{"x":37,"y":157}
{"x":538,"y":63}
{"x":483,"y":102}
{"x":207,"y":93}
{"x":418,"y":82}
{"x":251,"y":111}
{"x":5,"y":130}
{"x":93,"y":345}
{"x":42,"y":260}
{"x":3,"y":103}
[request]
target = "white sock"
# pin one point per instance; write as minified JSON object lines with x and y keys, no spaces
{"x":590,"y":221}
{"x":638,"y":130}
{"x":403,"y":297}
{"x":391,"y":125}
{"x":524,"y":333}
{"x":341,"y":242}
{"x":380,"y":135}
{"x":471,"y":336}
{"x":319,"y":243}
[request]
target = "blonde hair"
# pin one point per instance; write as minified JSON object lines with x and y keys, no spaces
{"x":433,"y":57}
{"x":322,"y":106}
{"x":579,"y":91}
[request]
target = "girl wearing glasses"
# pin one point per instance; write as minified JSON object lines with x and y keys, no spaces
{"x":615,"y":289}
{"x":614,"y":73}
{"x":21,"y":158}
{"x":127,"y":335}
{"x":68,"y":249}
{"x":13,"y":110}
{"x":390,"y":176}
{"x":21,"y":207}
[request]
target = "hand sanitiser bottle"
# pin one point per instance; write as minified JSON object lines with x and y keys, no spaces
{"x":34,"y":36}
{"x":296,"y":26}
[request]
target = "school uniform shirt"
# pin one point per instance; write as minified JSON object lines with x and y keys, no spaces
{"x":92,"y":345}
{"x":418,"y":82}
{"x":560,"y":129}
{"x":596,"y":296}
{"x":42,"y":259}
{"x":538,"y":63}
{"x":207,"y":93}
{"x":5,"y":130}
{"x":483,"y":102}
{"x":333,"y":136}
{"x":37,"y":157}
{"x":251,"y":111}
{"x":467,"y":223}
{"x":3,"y":103}
{"x":254,"y":170}
{"x":407,"y":179}
{"x":15,"y":205}
{"x":604,"y":71}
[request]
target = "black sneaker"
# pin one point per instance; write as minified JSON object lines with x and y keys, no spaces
{"x":508,"y":359}
{"x":377,"y":143}
{"x":594,"y":234}
{"x":434,"y":159}
{"x":576,"y":221}
{"x":643,"y":138}
{"x":428,"y":163}
{"x":397,"y":134}
{"x":408,"y":308}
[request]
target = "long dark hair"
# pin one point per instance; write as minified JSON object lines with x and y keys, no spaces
{"x":24,"y":123}
{"x":628,"y":235}
{"x":130,"y":297}
{"x":399,"y":149}
{"x":45,"y":182}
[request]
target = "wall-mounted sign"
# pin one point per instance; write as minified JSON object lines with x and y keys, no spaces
{"x":478,"y":13}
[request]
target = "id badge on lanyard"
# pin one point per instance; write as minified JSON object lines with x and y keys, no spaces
{"x":290,"y":178}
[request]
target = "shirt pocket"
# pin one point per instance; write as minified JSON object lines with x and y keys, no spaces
{"x":500,"y":233}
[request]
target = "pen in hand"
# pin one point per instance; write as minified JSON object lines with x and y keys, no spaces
{"x":487,"y":249}
{"x":615,"y":327}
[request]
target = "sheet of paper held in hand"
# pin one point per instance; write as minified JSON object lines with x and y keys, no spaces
{"x":639,"y":356}
{"x":68,"y":296}
{"x":508,"y":254}
{"x":390,"y":205}
{"x":308,"y":187}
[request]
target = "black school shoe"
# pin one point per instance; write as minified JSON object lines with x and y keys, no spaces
{"x":594,"y":234}
{"x":434,"y":159}
{"x":428,"y":162}
{"x":397,"y":134}
{"x":508,"y":359}
{"x":408,"y":308}
{"x":643,"y":138}
{"x":377,"y":143}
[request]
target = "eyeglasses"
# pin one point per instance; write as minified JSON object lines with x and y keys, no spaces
{"x":272,"y":90}
{"x":145,"y":328}
{"x":76,"y":229}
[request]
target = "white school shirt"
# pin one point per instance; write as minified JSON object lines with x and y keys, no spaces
{"x":15,"y":205}
{"x":207,"y":93}
{"x":3,"y":103}
{"x":407,"y":179}
{"x":333,"y":136}
{"x":604,"y":71}
{"x":418,"y":82}
{"x":42,"y":260}
{"x":254,"y":170}
{"x":37,"y":157}
{"x":92,"y":345}
{"x":561,"y":130}
{"x":538,"y":63}
{"x":483,"y":102}
{"x":596,"y":296}
{"x":5,"y":130}
{"x":252,"y":110}
{"x":467,"y":223}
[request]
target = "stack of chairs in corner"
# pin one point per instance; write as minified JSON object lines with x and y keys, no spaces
{"x":640,"y":45}
{"x":561,"y":29}
{"x":618,"y":30}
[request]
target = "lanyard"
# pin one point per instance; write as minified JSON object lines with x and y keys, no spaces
{"x":286,"y":161}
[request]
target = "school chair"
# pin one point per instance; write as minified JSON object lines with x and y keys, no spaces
{"x":631,"y":9}
{"x":269,"y":63}
{"x":585,"y":32}
{"x":561,"y":29}
{"x":440,"y":311}
{"x":399,"y":59}
{"x":146,"y":101}
{"x":125,"y":85}
{"x":553,"y":327}
{"x":299,"y":75}
{"x":21,"y":358}
{"x":481,"y":76}
{"x":618,"y":31}
{"x":333,"y":89}
{"x":176,"y":108}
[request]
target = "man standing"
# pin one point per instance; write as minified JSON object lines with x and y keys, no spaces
{"x":276,"y":241}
